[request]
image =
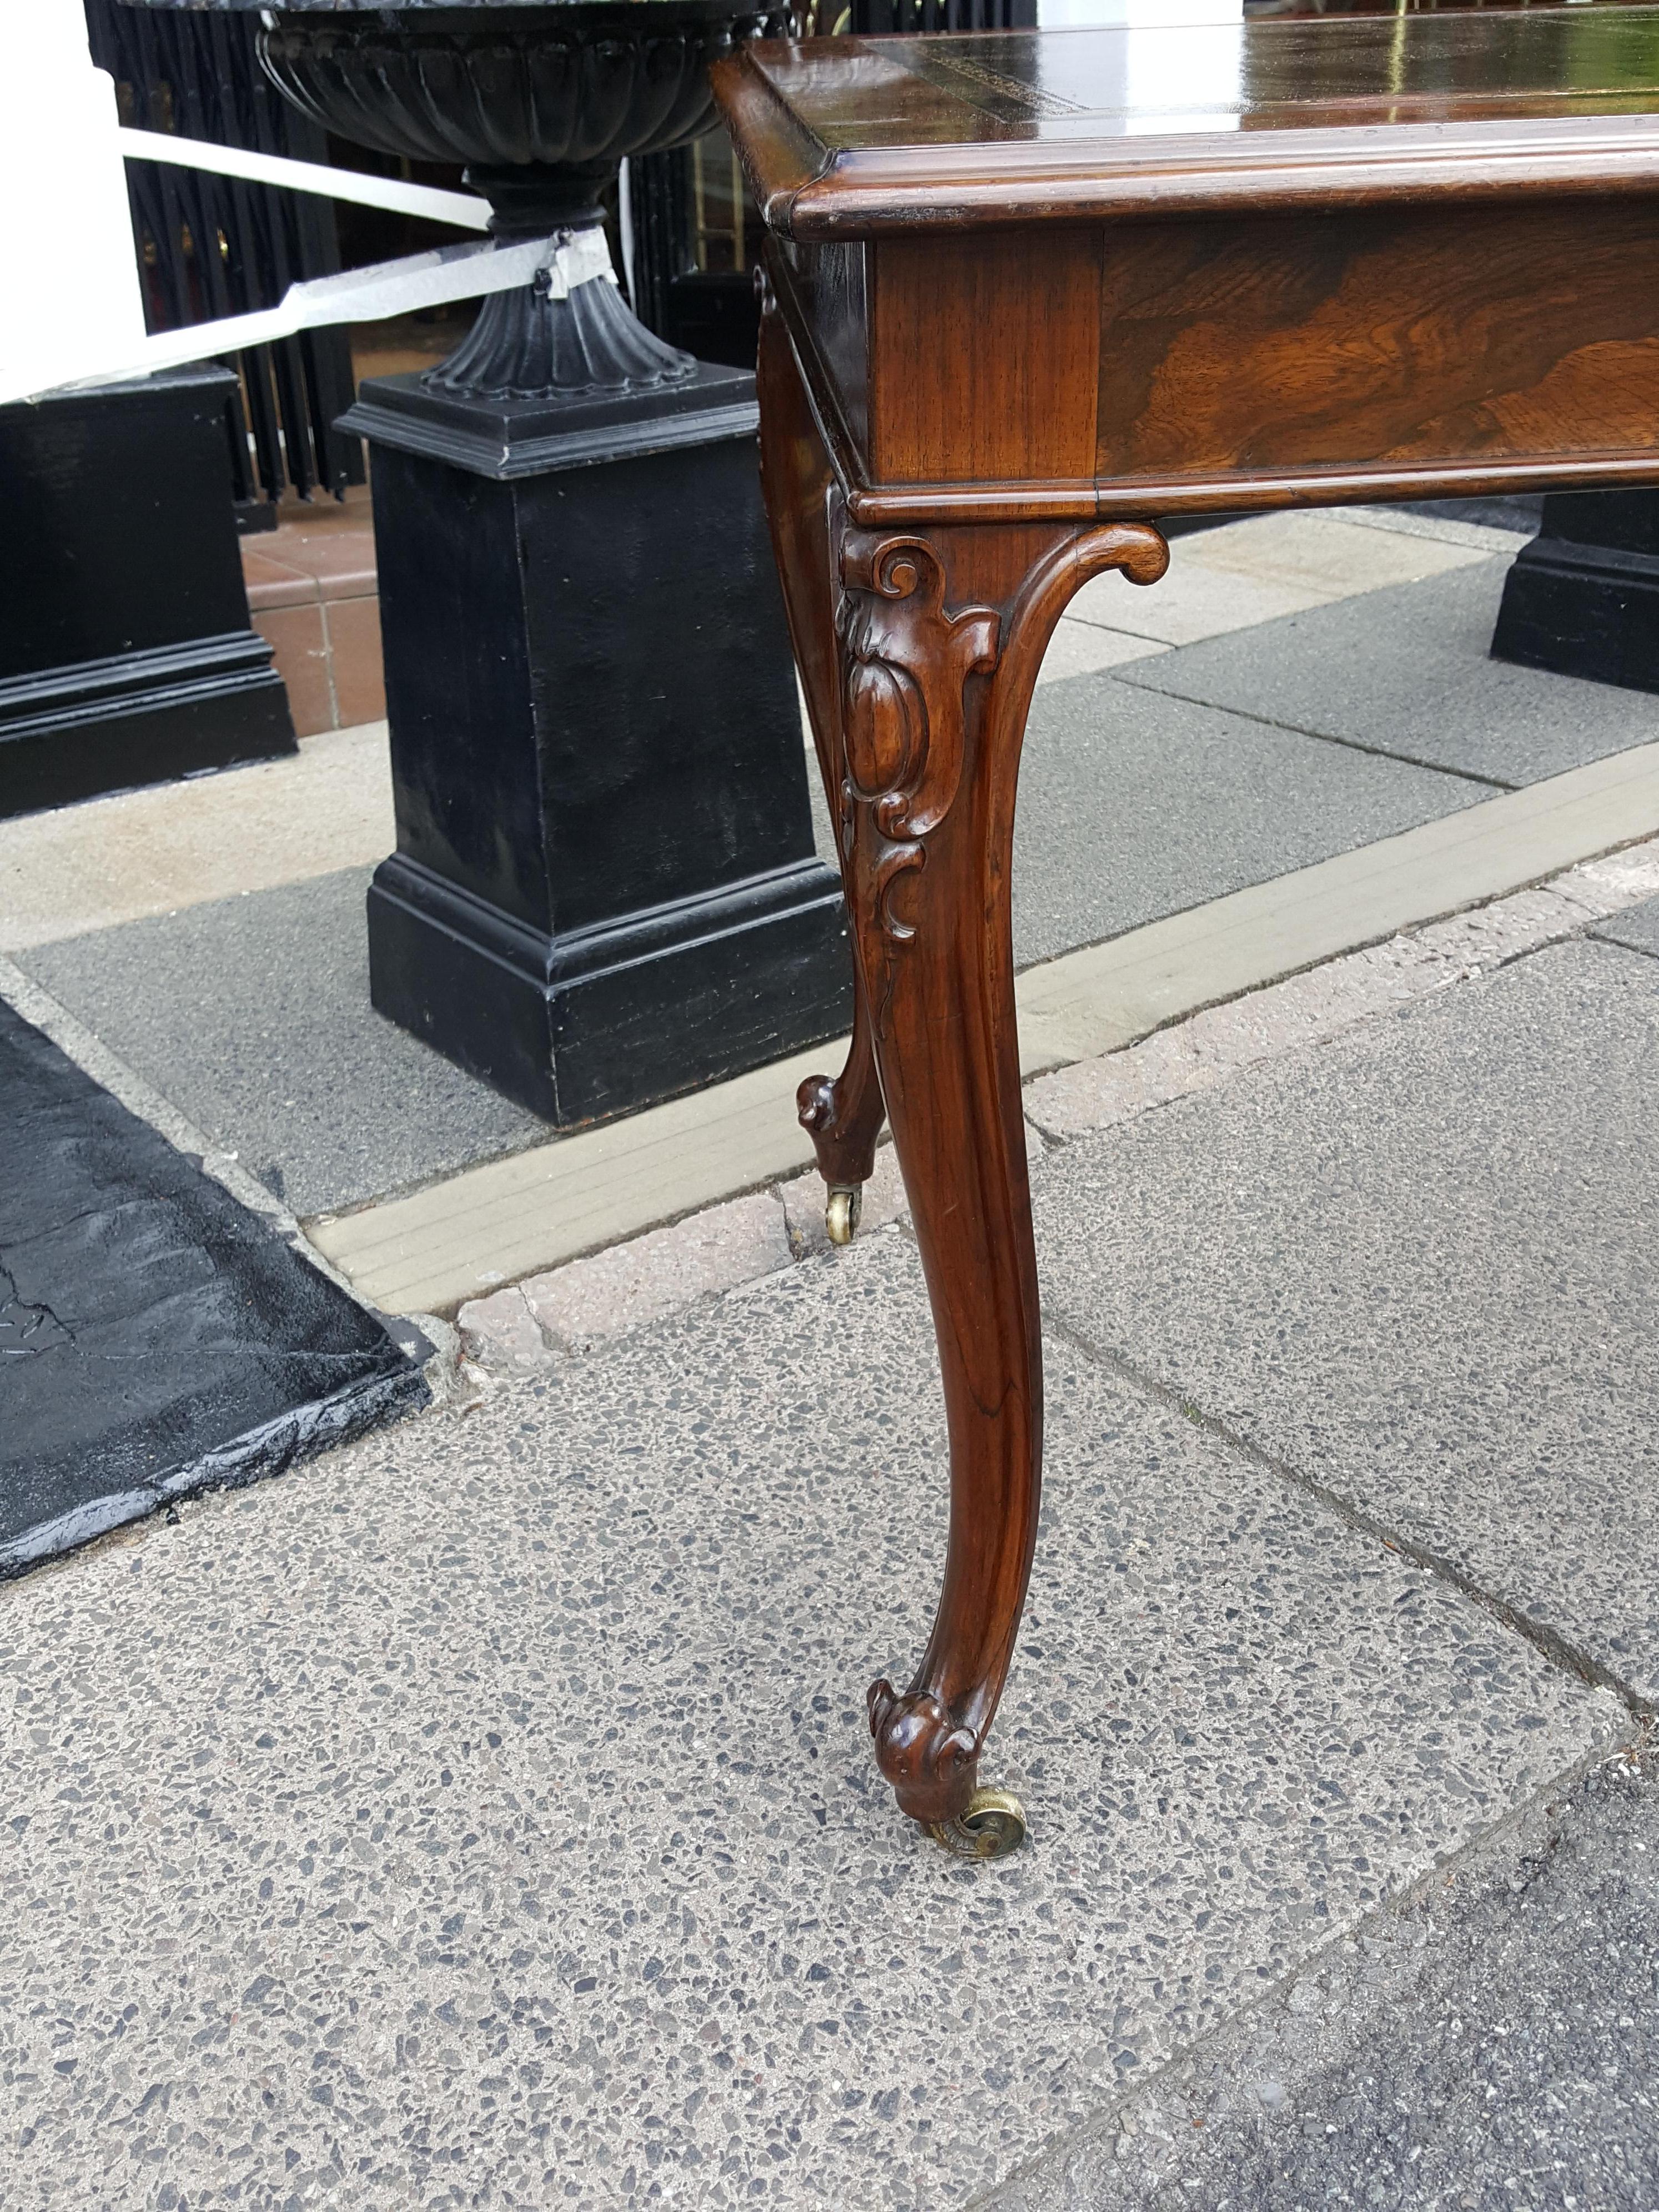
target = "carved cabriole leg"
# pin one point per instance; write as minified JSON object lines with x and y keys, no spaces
{"x":843,"y":1116}
{"x":919,"y":650}
{"x":941,"y":636}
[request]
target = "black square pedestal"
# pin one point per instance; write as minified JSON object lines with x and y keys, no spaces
{"x":604,"y":891}
{"x":126,"y":655}
{"x":1583,"y":599}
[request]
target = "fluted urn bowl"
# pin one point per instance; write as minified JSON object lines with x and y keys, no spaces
{"x":540,"y":103}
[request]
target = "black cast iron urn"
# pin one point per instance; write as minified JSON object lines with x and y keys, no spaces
{"x":541,"y":104}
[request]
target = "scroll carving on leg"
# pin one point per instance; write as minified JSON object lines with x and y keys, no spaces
{"x":933,"y":697}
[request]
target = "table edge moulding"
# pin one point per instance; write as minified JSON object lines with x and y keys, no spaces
{"x":1006,"y":332}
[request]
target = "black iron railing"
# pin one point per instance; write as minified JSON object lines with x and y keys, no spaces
{"x":211,"y":245}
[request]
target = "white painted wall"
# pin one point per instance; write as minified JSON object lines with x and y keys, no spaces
{"x":1079,"y":15}
{"x":1169,"y":84}
{"x":68,"y":274}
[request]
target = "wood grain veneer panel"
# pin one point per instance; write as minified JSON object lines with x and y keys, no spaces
{"x":1411,"y":337}
{"x":983,"y":356}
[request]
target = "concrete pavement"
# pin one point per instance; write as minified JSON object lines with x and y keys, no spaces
{"x":1488,"y":2043}
{"x":486,"y":1815}
{"x":483,"y":1814}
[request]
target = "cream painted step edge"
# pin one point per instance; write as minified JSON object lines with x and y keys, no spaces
{"x":492,"y":1225}
{"x":1092,"y":1001}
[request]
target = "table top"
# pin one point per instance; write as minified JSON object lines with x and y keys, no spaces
{"x":847,"y":137}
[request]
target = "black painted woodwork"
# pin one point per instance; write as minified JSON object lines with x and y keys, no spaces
{"x":1583,"y":599}
{"x":605,"y":890}
{"x":126,"y":653}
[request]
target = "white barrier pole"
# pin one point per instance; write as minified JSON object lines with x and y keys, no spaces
{"x":465,"y":209}
{"x":386,"y":288}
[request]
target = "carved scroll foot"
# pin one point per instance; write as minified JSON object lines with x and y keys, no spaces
{"x":931,"y":1763}
{"x":930,"y":1759}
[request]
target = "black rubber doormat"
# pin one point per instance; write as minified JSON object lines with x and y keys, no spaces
{"x":156,"y":1337}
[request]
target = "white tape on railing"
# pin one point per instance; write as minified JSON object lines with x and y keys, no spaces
{"x":356,"y":295}
{"x":465,"y":209}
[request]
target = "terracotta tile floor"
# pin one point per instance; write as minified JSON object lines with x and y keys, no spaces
{"x":312,"y":593}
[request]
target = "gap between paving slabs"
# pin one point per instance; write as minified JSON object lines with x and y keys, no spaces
{"x":530,"y":1327}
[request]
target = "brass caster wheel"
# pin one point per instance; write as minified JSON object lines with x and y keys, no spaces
{"x":992,"y":1826}
{"x":845,"y":1202}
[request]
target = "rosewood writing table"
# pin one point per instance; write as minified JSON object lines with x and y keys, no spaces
{"x":1026,"y":292}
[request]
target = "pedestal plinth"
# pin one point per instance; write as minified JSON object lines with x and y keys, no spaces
{"x":604,"y":891}
{"x":126,"y":655}
{"x":1583,"y":599}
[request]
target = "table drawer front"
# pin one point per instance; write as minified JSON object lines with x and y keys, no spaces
{"x":1233,"y":353}
{"x":1415,"y":337}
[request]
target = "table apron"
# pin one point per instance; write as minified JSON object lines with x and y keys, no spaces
{"x":1087,"y":372}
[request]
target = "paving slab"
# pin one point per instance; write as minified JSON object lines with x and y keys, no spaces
{"x":74,"y":868}
{"x":1304,"y":1009}
{"x":1491,"y":2043}
{"x":1103,"y":996}
{"x":1515,"y":515}
{"x":1076,"y":648}
{"x":1133,"y":806}
{"x":1638,"y":928}
{"x":487,"y":1814}
{"x":1251,"y":571}
{"x":536,"y":1209}
{"x":1416,"y":1266}
{"x":632,"y":1285}
{"x":252,"y":1015}
{"x":155,"y":1336}
{"x":1408,"y":671}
